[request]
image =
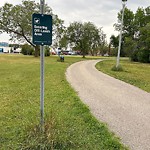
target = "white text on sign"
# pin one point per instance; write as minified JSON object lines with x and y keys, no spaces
{"x":40,"y":29}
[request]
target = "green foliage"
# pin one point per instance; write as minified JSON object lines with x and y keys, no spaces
{"x":140,"y":20}
{"x":117,"y":68}
{"x":86,"y":37}
{"x":63,"y":41}
{"x":130,"y":46}
{"x":58,"y":30}
{"x":103,"y":49}
{"x":68,"y":122}
{"x":47,"y":51}
{"x":136,"y":34}
{"x":113,"y":51}
{"x":128,"y":22}
{"x":75,"y":34}
{"x":114,"y":41}
{"x":144,"y":56}
{"x":144,"y":38}
{"x":16,"y":20}
{"x":133,"y":56}
{"x":27,"y":49}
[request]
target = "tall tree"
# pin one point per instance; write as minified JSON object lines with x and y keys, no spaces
{"x":114,"y":41}
{"x":135,"y":41}
{"x":63,"y":43}
{"x":130,"y":46}
{"x":58,"y":31}
{"x":139,"y":19}
{"x":113,"y":45}
{"x":75,"y":34}
{"x":147,"y":12}
{"x":85,"y":36}
{"x":128,"y":29}
{"x":17,"y":20}
{"x":128,"y":22}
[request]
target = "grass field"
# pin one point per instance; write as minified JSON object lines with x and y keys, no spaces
{"x":137,"y":74}
{"x":68,"y":122}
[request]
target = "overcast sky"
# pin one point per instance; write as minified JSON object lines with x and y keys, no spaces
{"x":103,"y":13}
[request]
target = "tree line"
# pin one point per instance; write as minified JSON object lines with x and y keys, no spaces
{"x":16,"y":20}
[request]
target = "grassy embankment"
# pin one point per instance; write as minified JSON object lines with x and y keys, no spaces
{"x":68,"y":122}
{"x":137,"y":74}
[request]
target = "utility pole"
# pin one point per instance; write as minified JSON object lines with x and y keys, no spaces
{"x":120,"y":36}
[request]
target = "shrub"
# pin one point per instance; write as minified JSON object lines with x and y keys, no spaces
{"x":134,"y":56}
{"x":143,"y":56}
{"x":47,"y":52}
{"x":27,"y":49}
{"x":119,"y":68}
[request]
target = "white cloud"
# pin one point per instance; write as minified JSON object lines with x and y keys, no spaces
{"x":103,"y":13}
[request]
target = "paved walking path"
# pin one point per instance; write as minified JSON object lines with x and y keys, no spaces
{"x":125,"y":108}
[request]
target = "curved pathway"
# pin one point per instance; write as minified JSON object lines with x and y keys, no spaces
{"x":125,"y":108}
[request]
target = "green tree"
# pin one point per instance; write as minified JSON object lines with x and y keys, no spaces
{"x":58,"y":31}
{"x":147,"y":12}
{"x":142,"y":36}
{"x":63,"y":41}
{"x":17,"y":21}
{"x":128,"y":23}
{"x":75,"y":35}
{"x":144,"y":44}
{"x":128,"y":27}
{"x":85,"y":37}
{"x":140,"y":19}
{"x":114,"y":43}
{"x":130,"y":46}
{"x":135,"y":38}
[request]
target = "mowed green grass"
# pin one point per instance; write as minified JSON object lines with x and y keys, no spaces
{"x":68,"y":122}
{"x":137,"y":74}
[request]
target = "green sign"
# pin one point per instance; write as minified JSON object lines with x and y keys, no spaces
{"x":42,"y":29}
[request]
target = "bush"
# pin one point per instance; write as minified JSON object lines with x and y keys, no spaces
{"x":143,"y":56}
{"x":134,"y":56}
{"x":27,"y":49}
{"x":47,"y":52}
{"x":119,"y":68}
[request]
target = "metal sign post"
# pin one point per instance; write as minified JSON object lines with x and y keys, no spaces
{"x":42,"y":77}
{"x":42,"y":35}
{"x":42,"y":87}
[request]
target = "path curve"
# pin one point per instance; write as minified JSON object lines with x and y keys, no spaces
{"x":125,"y":108}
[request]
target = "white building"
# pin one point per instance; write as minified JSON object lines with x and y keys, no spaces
{"x":5,"y":49}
